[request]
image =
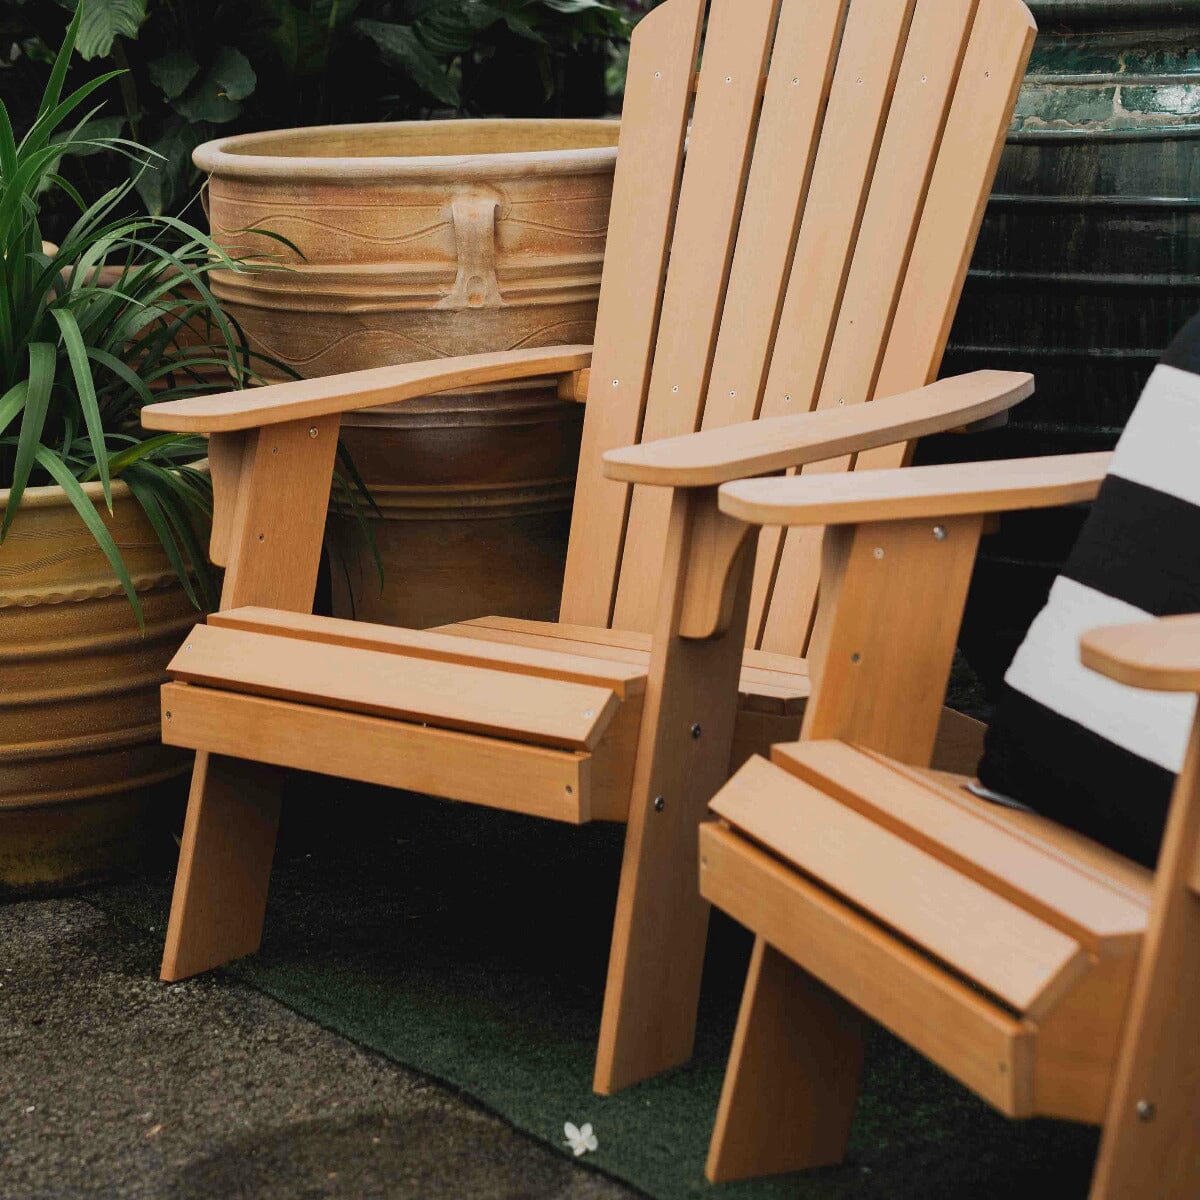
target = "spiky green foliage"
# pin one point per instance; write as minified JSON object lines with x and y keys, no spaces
{"x":119,"y":316}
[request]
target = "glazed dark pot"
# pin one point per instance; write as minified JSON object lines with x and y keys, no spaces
{"x":1087,"y":265}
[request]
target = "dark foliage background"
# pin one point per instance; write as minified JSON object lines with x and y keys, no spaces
{"x":198,"y":69}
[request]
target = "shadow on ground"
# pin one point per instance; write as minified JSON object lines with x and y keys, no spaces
{"x":471,"y":945}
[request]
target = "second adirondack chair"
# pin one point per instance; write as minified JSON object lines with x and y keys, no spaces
{"x":803,"y":256}
{"x":1048,"y":973}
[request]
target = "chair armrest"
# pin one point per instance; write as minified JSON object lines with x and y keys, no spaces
{"x":1162,"y":655}
{"x":774,"y":443}
{"x":307,"y":399}
{"x":897,"y":495}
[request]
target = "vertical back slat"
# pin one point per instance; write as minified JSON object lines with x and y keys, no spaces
{"x":789,"y":130}
{"x":871,"y":47}
{"x":990,"y":75}
{"x":737,"y":43}
{"x":658,"y":93}
{"x":925,"y":83}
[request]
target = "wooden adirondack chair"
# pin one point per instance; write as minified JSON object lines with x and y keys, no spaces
{"x":808,"y":255}
{"x":1048,"y":974}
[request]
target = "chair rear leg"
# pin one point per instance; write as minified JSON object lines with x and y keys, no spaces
{"x":224,"y":865}
{"x":793,"y":1076}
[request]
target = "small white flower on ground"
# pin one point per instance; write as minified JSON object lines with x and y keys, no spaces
{"x":580,"y":1140}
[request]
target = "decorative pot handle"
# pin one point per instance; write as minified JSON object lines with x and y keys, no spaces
{"x":476,"y":285}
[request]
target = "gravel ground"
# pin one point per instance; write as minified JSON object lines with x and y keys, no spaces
{"x":113,"y":1085}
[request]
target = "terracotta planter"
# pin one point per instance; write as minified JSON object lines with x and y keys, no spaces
{"x":82,"y":770}
{"x":423,"y":240}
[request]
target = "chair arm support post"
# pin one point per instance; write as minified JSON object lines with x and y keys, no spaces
{"x":269,"y":525}
{"x":892,"y":597}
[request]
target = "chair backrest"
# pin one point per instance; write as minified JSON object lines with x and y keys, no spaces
{"x":808,"y":249}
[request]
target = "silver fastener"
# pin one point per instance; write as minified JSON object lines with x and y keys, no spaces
{"x":312,"y":431}
{"x":856,"y":658}
{"x":1146,"y":1110}
{"x":659,"y":804}
{"x":878,"y":551}
{"x":939,"y":533}
{"x":696,"y":730}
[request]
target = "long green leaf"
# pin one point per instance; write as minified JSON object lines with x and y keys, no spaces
{"x":61,"y":474}
{"x":37,"y":401}
{"x":86,"y":389}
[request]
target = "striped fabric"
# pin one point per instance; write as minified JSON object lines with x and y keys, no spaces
{"x":1071,"y":744}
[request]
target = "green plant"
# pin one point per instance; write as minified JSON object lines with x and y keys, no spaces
{"x":119,"y":316}
{"x":196,"y":69}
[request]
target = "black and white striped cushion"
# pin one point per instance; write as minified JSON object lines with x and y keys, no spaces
{"x":1071,"y":744}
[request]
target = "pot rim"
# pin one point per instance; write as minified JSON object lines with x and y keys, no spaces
{"x":223,"y":158}
{"x":51,"y":495}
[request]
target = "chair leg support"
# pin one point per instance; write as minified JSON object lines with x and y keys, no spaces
{"x":224,"y":865}
{"x":793,"y":1076}
{"x":649,"y":1019}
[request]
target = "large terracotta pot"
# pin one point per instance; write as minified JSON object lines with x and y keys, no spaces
{"x":422,"y":240}
{"x":85,"y":783}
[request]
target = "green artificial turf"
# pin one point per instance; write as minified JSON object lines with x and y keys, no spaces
{"x":471,"y":945}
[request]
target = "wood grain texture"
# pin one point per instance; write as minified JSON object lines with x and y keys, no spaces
{"x":220,"y":895}
{"x":878,"y":682}
{"x":1158,"y":1062}
{"x":914,"y":492}
{"x":774,"y":443}
{"x":458,"y":766}
{"x":331,"y":395}
{"x":1162,"y":655}
{"x":522,"y":659}
{"x":1013,"y":955}
{"x":659,"y":931}
{"x":546,"y":711}
{"x":658,"y":100}
{"x":973,"y":1039}
{"x":720,"y":142}
{"x":787,"y":1103}
{"x":1045,"y":880}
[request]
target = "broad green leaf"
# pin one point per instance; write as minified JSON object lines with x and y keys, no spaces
{"x":229,"y":79}
{"x":104,"y":20}
{"x":173,"y":72}
{"x":161,"y":183}
{"x":400,"y":47}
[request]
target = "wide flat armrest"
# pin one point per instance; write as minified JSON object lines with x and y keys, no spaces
{"x":775,"y":443}
{"x":306,"y":399}
{"x":856,"y":497}
{"x":1162,"y":655}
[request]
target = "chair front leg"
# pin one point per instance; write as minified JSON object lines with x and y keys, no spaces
{"x":273,"y":492}
{"x":649,"y":1018}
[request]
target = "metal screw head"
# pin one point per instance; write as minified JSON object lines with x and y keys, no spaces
{"x":274,"y":449}
{"x":696,"y":730}
{"x":1146,"y":1111}
{"x":570,"y":790}
{"x":856,"y":658}
{"x":587,"y":712}
{"x":167,"y":714}
{"x":659,"y":804}
{"x":939,"y":533}
{"x":262,"y":537}
{"x":878,"y":551}
{"x":312,"y":432}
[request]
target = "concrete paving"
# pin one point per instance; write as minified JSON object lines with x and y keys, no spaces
{"x":114,"y":1086}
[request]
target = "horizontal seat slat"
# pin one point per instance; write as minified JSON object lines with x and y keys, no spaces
{"x":624,"y":679}
{"x":556,"y":784}
{"x":985,"y":938}
{"x":547,"y":712}
{"x":973,"y":1039}
{"x":1031,"y":873}
{"x":771,"y":682}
